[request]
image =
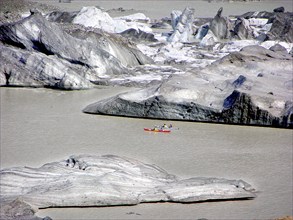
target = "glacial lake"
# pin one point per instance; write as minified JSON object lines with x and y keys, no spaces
{"x":157,"y":9}
{"x":39,"y":126}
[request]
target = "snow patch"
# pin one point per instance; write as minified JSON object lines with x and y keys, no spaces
{"x":95,"y":17}
{"x":134,"y":17}
{"x":138,"y":96}
{"x":186,"y":94}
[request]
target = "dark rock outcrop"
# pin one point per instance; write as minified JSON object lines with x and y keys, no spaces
{"x":61,"y":16}
{"x":282,"y":27}
{"x":258,"y":14}
{"x":282,"y":23}
{"x":279,"y":9}
{"x":138,"y":35}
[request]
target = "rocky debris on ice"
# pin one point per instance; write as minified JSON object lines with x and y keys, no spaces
{"x":261,"y":26}
{"x":36,"y":52}
{"x":138,"y":36}
{"x":61,"y":16}
{"x":19,"y":210}
{"x":211,"y":38}
{"x":13,"y":10}
{"x":252,"y":87}
{"x":188,"y":56}
{"x":110,"y":180}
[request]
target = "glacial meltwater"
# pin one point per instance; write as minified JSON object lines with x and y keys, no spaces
{"x":39,"y":126}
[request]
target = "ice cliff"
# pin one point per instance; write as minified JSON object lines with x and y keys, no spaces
{"x":38,"y":53}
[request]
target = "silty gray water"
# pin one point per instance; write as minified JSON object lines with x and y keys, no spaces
{"x":40,"y":126}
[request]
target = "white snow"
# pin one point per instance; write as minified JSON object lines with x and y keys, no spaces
{"x":258,"y":21}
{"x":237,"y":45}
{"x":33,"y":29}
{"x":140,"y":78}
{"x":95,"y":17}
{"x":139,"y":95}
{"x":134,"y":17}
{"x":185,"y":94}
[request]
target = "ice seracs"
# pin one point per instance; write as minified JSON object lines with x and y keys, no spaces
{"x":94,"y":17}
{"x":97,"y":18}
{"x":182,"y":24}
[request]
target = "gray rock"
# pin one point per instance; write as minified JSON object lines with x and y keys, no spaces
{"x":61,"y":16}
{"x":282,"y":23}
{"x":111,"y":180}
{"x":258,"y":14}
{"x":282,"y":27}
{"x":19,"y":210}
{"x":160,"y":25}
{"x":228,"y":91}
{"x":280,"y":50}
{"x":138,"y":36}
{"x":279,"y":9}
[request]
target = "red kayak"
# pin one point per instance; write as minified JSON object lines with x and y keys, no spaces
{"x":157,"y":130}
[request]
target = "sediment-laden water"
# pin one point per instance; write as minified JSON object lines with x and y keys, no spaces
{"x":42,"y":125}
{"x":160,"y":9}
